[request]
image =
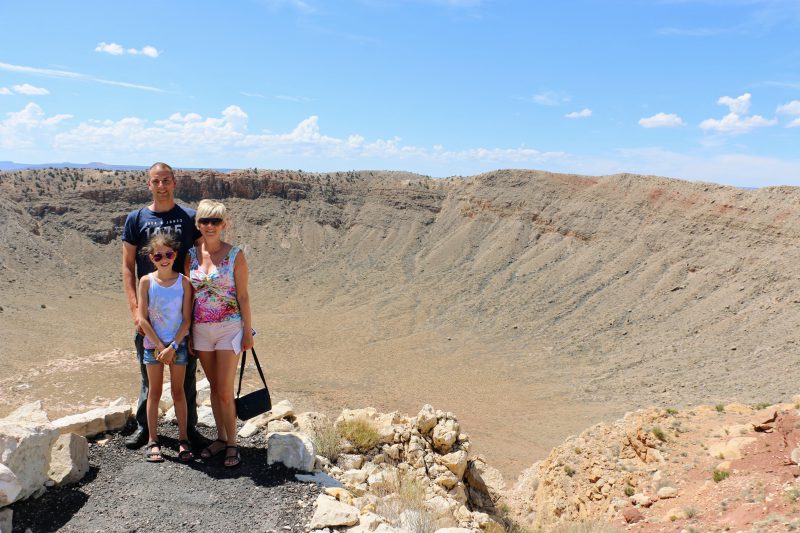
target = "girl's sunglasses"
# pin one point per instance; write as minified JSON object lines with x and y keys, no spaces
{"x":214,"y":221}
{"x":159,"y":256}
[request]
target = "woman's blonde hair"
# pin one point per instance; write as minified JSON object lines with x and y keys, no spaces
{"x":211,"y":209}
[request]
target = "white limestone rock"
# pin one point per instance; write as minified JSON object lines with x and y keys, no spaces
{"x":426,"y":419}
{"x":350,"y":461}
{"x":445,"y":434}
{"x":279,"y":426}
{"x":30,"y":412}
{"x":293,"y":450}
{"x":310,"y":421}
{"x":332,"y":513}
{"x":386,"y":480}
{"x":456,"y":462}
{"x":69,"y":459}
{"x":203,"y":388}
{"x":353,"y":477}
{"x":205,"y":417}
{"x":25,"y":450}
{"x":95,"y":421}
{"x":281,"y":410}
{"x":9,"y":486}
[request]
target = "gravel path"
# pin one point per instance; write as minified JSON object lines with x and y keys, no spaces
{"x":124,"y":493}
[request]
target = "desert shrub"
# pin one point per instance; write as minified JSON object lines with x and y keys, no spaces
{"x":629,"y":491}
{"x":719,"y":475}
{"x":690,"y":512}
{"x":327,"y":442}
{"x":568,"y":470}
{"x":659,"y":433}
{"x":761,"y":405}
{"x":361,"y":433}
{"x":671,"y":411}
{"x":720,"y":408}
{"x":405,"y":502}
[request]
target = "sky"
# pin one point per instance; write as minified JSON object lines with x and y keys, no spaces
{"x":703,"y":90}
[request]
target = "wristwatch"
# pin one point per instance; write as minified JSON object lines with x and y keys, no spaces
{"x":173,"y":346}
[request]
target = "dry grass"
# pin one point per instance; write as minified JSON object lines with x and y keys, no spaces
{"x":590,"y":526}
{"x":360,"y":432}
{"x":327,"y":442}
{"x":404,"y":505}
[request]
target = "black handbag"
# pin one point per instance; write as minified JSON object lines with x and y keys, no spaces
{"x":256,"y":402}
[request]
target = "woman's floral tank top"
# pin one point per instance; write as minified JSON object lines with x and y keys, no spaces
{"x":215,"y":292}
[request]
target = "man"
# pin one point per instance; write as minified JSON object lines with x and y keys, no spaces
{"x":163,"y":215}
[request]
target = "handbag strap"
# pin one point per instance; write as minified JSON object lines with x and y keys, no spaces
{"x":241,"y":370}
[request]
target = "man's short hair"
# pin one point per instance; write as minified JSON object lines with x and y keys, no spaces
{"x":160,"y":166}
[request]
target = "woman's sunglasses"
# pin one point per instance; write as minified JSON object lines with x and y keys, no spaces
{"x":213,"y":221}
{"x":159,"y":256}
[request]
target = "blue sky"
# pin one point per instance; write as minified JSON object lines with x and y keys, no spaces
{"x":694,"y":89}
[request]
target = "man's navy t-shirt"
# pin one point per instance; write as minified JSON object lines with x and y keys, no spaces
{"x":143,"y":223}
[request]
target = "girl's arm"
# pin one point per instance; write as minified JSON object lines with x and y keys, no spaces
{"x":144,"y":319}
{"x":240,"y":277}
{"x":187,"y":311}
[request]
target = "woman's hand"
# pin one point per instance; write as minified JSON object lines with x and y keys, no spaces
{"x":247,"y":339}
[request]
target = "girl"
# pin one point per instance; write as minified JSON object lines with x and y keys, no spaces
{"x":165,"y":307}
{"x":218,"y":273}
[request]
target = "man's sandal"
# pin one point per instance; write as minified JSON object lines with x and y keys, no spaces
{"x":208,"y":453}
{"x":186,"y":454}
{"x":150,"y":456}
{"x":232,"y":460}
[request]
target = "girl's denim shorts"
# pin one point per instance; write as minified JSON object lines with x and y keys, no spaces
{"x":181,"y":356}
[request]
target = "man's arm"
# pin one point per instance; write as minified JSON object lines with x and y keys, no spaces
{"x":129,"y":281}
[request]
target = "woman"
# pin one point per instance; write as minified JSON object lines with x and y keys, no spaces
{"x":218,"y":273}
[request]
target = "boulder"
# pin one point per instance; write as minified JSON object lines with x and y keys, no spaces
{"x":6,"y":516}
{"x":293,"y":450}
{"x":350,"y":461}
{"x":69,"y":459}
{"x":282,"y":409}
{"x":667,"y":492}
{"x":332,"y":513}
{"x":456,"y":462}
{"x":387,"y":480}
{"x":30,"y":412}
{"x":205,"y":417}
{"x":282,"y":426}
{"x":485,"y":480}
{"x":25,"y":450}
{"x":632,"y":515}
{"x":310,"y":421}
{"x":9,"y":486}
{"x":353,"y":477}
{"x":445,"y":434}
{"x":95,"y":421}
{"x":203,"y":388}
{"x":426,"y":419}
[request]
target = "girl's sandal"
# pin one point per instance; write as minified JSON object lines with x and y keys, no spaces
{"x":232,"y":460}
{"x":208,"y":452}
{"x":150,"y":456}
{"x":186,"y":454}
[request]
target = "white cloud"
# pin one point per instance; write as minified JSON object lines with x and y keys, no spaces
{"x":117,"y":50}
{"x":550,"y":98}
{"x":5,"y":91}
{"x":735,"y":122}
{"x":51,"y":73}
{"x":662,"y":120}
{"x":226,"y":140}
{"x":739,"y":105}
{"x":29,"y":90}
{"x":792,"y":108}
{"x":28,"y":128}
{"x":583,"y":113}
{"x":110,"y":48}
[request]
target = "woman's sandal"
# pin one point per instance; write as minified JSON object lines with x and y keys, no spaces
{"x":150,"y":456}
{"x":187,"y":454}
{"x":232,"y":461}
{"x":208,"y":453}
